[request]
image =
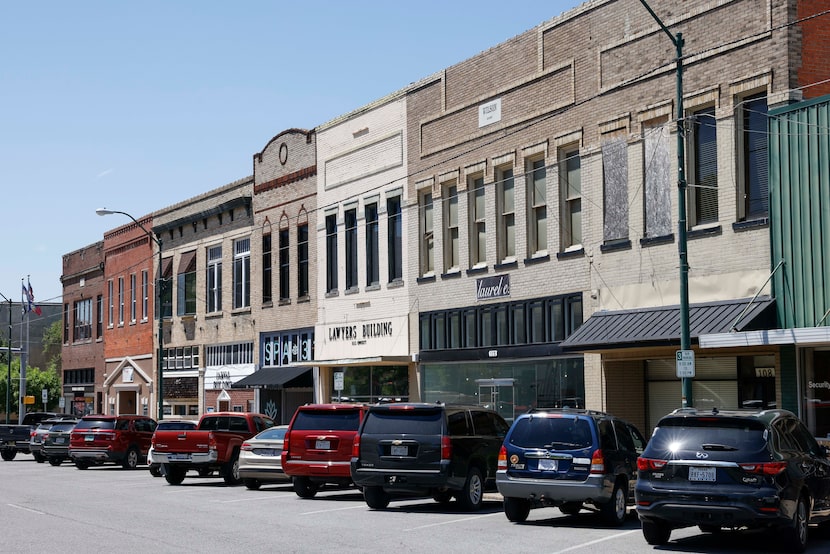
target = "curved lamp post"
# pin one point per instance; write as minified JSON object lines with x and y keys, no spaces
{"x":159,"y":294}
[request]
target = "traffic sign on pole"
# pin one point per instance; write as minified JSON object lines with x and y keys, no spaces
{"x":685,"y":363}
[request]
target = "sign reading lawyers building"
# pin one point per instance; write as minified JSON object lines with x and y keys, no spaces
{"x":281,"y":349}
{"x":363,"y":338}
{"x":497,"y":286}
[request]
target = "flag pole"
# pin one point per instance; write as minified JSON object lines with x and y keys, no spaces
{"x":24,"y":354}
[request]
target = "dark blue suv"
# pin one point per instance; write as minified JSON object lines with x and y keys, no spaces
{"x":567,"y":458}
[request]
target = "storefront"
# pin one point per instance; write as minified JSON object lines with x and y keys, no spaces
{"x":128,"y":389}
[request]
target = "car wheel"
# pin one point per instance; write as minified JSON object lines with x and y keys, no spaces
{"x":655,"y":532}
{"x":472,"y":494}
{"x":613,"y":511}
{"x":82,"y":465}
{"x":304,"y":487}
{"x":8,"y":454}
{"x":55,"y":461}
{"x":39,"y":458}
{"x":175,"y":475}
{"x":131,"y":459}
{"x":231,"y":472}
{"x":376,"y":498}
{"x":795,"y":535}
{"x":252,"y":484}
{"x":443,"y":497}
{"x":571,"y":508}
{"x":155,"y":470}
{"x":516,"y":509}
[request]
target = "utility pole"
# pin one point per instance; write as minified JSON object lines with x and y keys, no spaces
{"x":685,"y":339}
{"x":9,"y":354}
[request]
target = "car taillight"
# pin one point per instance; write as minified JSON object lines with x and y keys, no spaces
{"x":246,"y":446}
{"x":502,"y":463}
{"x":211,"y":441}
{"x":649,"y":464}
{"x":107,"y":436}
{"x":356,"y":447}
{"x":597,"y":462}
{"x":285,"y":444}
{"x":446,"y":448}
{"x":766,"y":468}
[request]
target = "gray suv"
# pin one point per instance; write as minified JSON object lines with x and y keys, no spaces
{"x":419,"y":449}
{"x":567,"y":458}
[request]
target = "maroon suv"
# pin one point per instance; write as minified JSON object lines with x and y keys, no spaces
{"x":123,"y":439}
{"x":317,"y":448}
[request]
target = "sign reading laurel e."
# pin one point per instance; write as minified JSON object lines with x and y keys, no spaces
{"x":488,"y":288}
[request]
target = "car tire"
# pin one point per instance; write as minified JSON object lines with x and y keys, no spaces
{"x":571,"y":508}
{"x":613,"y":512}
{"x":205,"y":472}
{"x":155,"y":470}
{"x":8,"y":454}
{"x":472,"y":495}
{"x":174,"y":475}
{"x":130,"y":460}
{"x":231,"y":471}
{"x":655,"y":532}
{"x":443,"y":497}
{"x":55,"y":461}
{"x":304,"y":487}
{"x":795,"y":535}
{"x":252,"y":484}
{"x":39,"y":458}
{"x":81,"y":465}
{"x":376,"y":498}
{"x":516,"y":509}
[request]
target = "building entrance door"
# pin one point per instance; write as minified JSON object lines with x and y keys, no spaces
{"x":498,"y":394}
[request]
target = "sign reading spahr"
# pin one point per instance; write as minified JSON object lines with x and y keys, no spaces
{"x":497,"y":286}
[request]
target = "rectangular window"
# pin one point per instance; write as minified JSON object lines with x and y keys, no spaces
{"x":111,"y":304}
{"x":427,"y":238}
{"x":657,"y":191}
{"x":145,"y":294}
{"x":302,"y":260}
{"x":703,"y":185}
{"x":350,"y":220}
{"x":242,"y":273}
{"x":506,"y":228}
{"x":214,"y":279}
{"x":394,"y":238}
{"x":754,"y":173}
{"x":267,"y":283}
{"x":121,"y":301}
{"x":83,"y":320}
{"x":99,"y":308}
{"x":615,"y":185}
{"x":372,"y":245}
{"x":133,"y":298}
{"x":65,"y":326}
{"x":331,"y":253}
{"x":166,"y":284}
{"x":186,"y":284}
{"x":285,"y":267}
{"x":451,"y":247}
{"x":478,"y":228}
{"x":537,"y":194}
{"x":570,"y":185}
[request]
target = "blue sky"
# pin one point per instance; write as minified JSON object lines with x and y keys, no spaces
{"x":135,"y":106}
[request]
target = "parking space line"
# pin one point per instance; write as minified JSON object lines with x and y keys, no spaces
{"x":453,"y":521}
{"x":255,"y":497}
{"x":333,"y":510}
{"x":597,"y":541}
{"x":27,"y":509}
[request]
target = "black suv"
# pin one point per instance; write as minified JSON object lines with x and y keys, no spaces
{"x":566,"y":458}
{"x":417,"y":449}
{"x":733,"y":469}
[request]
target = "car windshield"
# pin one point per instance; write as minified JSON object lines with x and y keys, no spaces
{"x":175,"y":425}
{"x":96,"y":424}
{"x":60,"y":427}
{"x":554,"y":433}
{"x":404,"y":422}
{"x":274,"y":433}
{"x":328,"y":420}
{"x":709,"y":434}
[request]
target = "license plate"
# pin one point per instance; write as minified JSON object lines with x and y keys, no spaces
{"x":322,"y":445}
{"x":547,"y":465}
{"x":180,"y":457}
{"x":702,"y":474}
{"x":266,"y":451}
{"x":89,"y":438}
{"x":399,"y":450}
{"x":60,"y":440}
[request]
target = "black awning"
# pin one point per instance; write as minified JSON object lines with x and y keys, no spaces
{"x":660,"y":326}
{"x":277,"y":378}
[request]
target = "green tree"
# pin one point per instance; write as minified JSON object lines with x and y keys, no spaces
{"x":36,"y":381}
{"x":52,"y":342}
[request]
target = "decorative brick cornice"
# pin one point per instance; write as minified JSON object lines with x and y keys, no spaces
{"x":298,"y":175}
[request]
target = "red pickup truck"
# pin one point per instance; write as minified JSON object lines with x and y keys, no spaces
{"x":213,"y":446}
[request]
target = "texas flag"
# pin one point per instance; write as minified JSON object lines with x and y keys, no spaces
{"x":29,"y":300}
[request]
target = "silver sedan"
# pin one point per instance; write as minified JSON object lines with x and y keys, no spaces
{"x":259,"y":458}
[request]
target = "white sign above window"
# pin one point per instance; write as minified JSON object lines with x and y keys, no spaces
{"x":489,"y":113}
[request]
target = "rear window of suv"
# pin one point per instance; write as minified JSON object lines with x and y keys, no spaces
{"x":96,"y":424}
{"x":411,"y":422}
{"x":329,"y":420}
{"x":709,"y":434}
{"x":552,"y":432}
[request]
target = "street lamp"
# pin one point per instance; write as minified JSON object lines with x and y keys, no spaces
{"x":160,"y":295}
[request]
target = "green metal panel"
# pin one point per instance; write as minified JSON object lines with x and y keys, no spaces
{"x":800,"y":210}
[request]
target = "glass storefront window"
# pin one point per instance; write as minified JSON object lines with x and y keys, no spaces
{"x":374,"y":383}
{"x":816,"y":386}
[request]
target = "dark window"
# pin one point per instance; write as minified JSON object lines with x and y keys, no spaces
{"x":333,"y":420}
{"x":607,"y":439}
{"x":755,"y":146}
{"x":394,"y":238}
{"x":557,"y":433}
{"x":284,"y":265}
{"x":704,"y":188}
{"x":411,"y":422}
{"x":457,"y":424}
{"x":302,"y":260}
{"x":267,"y":286}
{"x":351,"y":248}
{"x":331,"y":253}
{"x":372,"y":259}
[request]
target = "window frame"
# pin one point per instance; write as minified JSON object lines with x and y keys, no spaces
{"x":505,"y":213}
{"x":537,"y":213}
{"x":477,"y":209}
{"x":571,"y":197}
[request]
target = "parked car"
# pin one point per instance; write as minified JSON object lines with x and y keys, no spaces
{"x":15,"y":438}
{"x":569,"y":458}
{"x":260,"y":458}
{"x":318,"y":446}
{"x":733,"y":469}
{"x":56,"y":441}
{"x":122,"y":439}
{"x":166,"y":425}
{"x":420,"y":449}
{"x":36,"y":439}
